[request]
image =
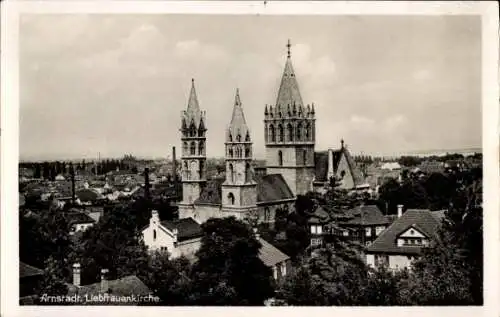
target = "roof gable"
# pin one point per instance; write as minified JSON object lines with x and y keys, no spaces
{"x":423,"y":219}
{"x":270,"y":255}
{"x":187,"y":228}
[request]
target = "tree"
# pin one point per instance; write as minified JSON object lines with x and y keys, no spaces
{"x":169,"y":279}
{"x":114,"y":243}
{"x":450,"y":271}
{"x":53,"y":279}
{"x":229,"y":270}
{"x":383,"y":287}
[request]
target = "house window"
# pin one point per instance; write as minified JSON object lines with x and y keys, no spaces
{"x":275,"y":272}
{"x":154,"y":234}
{"x":313,"y":229}
{"x":280,"y":158}
{"x":230,"y":198}
{"x":283,"y":269}
{"x":319,"y":230}
{"x":267,"y":214}
{"x":379,"y":230}
{"x":315,"y":242}
{"x":368,"y":232}
{"x":345,"y":233}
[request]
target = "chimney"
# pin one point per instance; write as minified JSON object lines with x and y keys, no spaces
{"x":330,"y":164}
{"x":146,"y":184}
{"x":400,"y":210}
{"x":73,"y":192}
{"x":256,"y":233}
{"x":104,"y":280}
{"x":176,"y":233}
{"x":174,"y":166}
{"x":155,"y":216}
{"x":76,"y":274}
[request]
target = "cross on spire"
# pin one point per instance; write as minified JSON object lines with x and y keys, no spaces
{"x":288,"y":45}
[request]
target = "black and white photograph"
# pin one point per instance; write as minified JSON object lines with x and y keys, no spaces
{"x":250,"y":159}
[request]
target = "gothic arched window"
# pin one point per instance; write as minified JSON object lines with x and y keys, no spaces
{"x":298,"y":134}
{"x":230,"y":137}
{"x":280,"y":158}
{"x":185,"y":147}
{"x":154,"y":234}
{"x":186,"y":169}
{"x":201,"y":148}
{"x":308,"y":132}
{"x":192,"y":149}
{"x":231,"y":173}
{"x":281,"y":132}
{"x":247,"y":152}
{"x":272,"y":133}
{"x":230,"y":152}
{"x":230,"y":199}
{"x":248,"y":173}
{"x":238,"y":138}
{"x":247,"y":137}
{"x":304,"y":157}
{"x":290,"y":132}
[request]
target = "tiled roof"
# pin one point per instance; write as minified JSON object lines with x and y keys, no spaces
{"x":78,"y":217}
{"x":87,"y":195}
{"x":426,"y":220}
{"x":126,"y":286}
{"x":319,"y":216}
{"x":272,"y":187}
{"x":26,"y":270}
{"x":365,"y":215}
{"x":270,"y":255}
{"x":187,"y":228}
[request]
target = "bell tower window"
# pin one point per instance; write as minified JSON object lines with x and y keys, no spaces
{"x":280,"y":158}
{"x":230,"y":199}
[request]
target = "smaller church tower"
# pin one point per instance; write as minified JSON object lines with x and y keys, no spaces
{"x":239,"y":191}
{"x":193,"y":130}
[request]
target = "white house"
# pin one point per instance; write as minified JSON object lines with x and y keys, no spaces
{"x":404,"y":239}
{"x":79,"y":221}
{"x":183,"y":237}
{"x":178,"y":237}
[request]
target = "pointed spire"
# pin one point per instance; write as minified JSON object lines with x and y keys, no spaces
{"x":193,"y":111}
{"x":289,"y":92}
{"x":341,"y":143}
{"x":238,"y":124}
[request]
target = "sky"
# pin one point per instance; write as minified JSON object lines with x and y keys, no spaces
{"x":116,"y":84}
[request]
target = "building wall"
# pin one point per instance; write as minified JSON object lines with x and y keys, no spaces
{"x":399,"y":262}
{"x":187,"y":248}
{"x":190,"y":192}
{"x":304,"y":180}
{"x":163,"y":239}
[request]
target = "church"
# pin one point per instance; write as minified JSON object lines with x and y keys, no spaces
{"x":293,"y":167}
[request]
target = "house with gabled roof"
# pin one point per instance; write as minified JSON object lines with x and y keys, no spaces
{"x":404,"y":239}
{"x":181,"y":237}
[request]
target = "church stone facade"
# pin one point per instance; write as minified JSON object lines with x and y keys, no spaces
{"x":292,"y":165}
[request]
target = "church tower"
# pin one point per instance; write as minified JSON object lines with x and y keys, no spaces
{"x":239,"y":191}
{"x":289,"y":130}
{"x":193,"y":158}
